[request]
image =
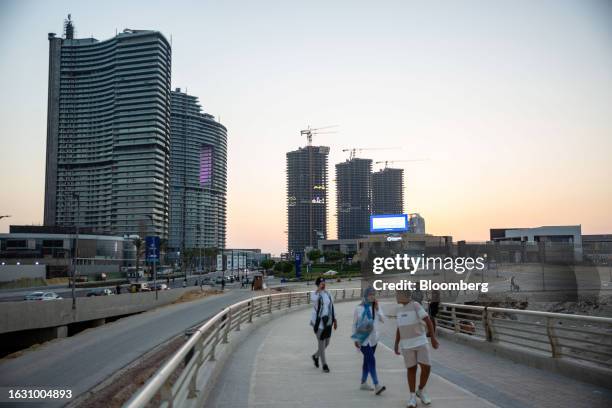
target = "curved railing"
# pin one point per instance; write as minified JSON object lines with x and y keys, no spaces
{"x":202,"y":344}
{"x":560,"y":335}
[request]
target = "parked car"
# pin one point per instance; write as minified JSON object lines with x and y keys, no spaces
{"x":42,"y":296}
{"x":162,"y":286}
{"x":218,"y":280}
{"x":140,"y":287}
{"x":206,"y":280}
{"x":100,"y":292}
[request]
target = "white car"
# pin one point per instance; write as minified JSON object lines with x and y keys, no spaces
{"x":42,"y":296}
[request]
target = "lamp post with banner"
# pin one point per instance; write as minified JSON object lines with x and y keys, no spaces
{"x":152,"y":245}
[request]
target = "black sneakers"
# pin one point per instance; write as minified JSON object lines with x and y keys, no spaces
{"x":316,"y":361}
{"x":325,"y":368}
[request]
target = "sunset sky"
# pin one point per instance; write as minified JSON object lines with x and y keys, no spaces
{"x":511,"y":101}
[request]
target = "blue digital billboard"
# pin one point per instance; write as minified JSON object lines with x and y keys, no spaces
{"x":389,"y":223}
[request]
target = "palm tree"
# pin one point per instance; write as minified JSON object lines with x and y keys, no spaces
{"x":138,"y":244}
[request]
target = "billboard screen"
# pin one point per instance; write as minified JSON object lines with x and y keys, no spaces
{"x":389,"y":223}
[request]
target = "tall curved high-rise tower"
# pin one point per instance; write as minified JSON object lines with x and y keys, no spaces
{"x":198,"y":176}
{"x":108,"y":132}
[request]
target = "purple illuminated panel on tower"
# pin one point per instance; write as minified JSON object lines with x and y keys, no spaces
{"x":206,"y":158}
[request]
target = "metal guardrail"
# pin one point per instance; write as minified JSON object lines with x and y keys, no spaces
{"x":579,"y":337}
{"x":575,"y":336}
{"x":179,"y":374}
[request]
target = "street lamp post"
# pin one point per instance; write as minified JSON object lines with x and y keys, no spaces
{"x":76,"y":250}
{"x":154,"y":260}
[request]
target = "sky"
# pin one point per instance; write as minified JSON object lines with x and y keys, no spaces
{"x":510,"y":102}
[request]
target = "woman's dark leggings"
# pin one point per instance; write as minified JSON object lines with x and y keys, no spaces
{"x":369,"y":364}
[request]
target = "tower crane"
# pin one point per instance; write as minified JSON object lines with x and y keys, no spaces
{"x":399,"y":161}
{"x":309,"y":132}
{"x":353,"y":150}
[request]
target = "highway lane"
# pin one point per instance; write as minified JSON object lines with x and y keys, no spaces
{"x":13,"y":295}
{"x":88,"y":358}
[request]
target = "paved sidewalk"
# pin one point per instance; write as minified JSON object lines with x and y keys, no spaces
{"x":273,"y":368}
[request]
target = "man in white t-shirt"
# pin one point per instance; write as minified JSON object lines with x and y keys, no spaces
{"x":411,"y":339}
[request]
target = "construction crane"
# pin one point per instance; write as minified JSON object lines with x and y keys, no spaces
{"x":309,"y":133}
{"x":399,"y":161}
{"x":353,"y":150}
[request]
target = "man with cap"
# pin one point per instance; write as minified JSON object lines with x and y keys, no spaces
{"x":322,"y":320}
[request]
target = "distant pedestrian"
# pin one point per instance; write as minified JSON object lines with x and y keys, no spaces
{"x":223,"y":283}
{"x":322,"y":320}
{"x":411,"y":342}
{"x":118,"y":289}
{"x":365,"y":335}
{"x":196,"y":283}
{"x":184,"y":283}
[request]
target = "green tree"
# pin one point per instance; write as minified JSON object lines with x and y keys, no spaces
{"x":314,"y":255}
{"x":333,"y":256}
{"x":287,"y":267}
{"x":267,"y":264}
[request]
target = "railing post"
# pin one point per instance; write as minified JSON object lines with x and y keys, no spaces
{"x":269,"y":304}
{"x":487,"y":325}
{"x":454,"y":319}
{"x":215,"y":341}
{"x":308,"y":297}
{"x":552,"y":339}
{"x":343,"y":293}
{"x":239,"y":319}
{"x":166,"y":394}
{"x":260,"y":307}
{"x":251,"y":305}
{"x":290,"y":296}
{"x":228,"y":323}
{"x":193,"y":389}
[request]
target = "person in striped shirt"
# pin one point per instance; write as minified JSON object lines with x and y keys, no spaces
{"x":411,"y":342}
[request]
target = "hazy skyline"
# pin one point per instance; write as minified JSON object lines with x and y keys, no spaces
{"x":510,"y":100}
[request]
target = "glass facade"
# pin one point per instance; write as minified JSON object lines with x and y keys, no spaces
{"x":198,"y":182}
{"x":108,"y":133}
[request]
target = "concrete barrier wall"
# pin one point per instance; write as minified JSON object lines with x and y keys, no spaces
{"x":17,"y":316}
{"x":10,"y":273}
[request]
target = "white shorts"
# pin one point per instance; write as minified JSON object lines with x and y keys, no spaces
{"x":416,"y":355}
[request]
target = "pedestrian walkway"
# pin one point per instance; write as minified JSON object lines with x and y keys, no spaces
{"x":273,"y":368}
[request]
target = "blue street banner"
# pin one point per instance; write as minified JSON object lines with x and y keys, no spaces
{"x":152,"y":249}
{"x":298,"y":265}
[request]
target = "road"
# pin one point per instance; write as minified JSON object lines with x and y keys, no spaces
{"x":86,"y":359}
{"x":12,"y":295}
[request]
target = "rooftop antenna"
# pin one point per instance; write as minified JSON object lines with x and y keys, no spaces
{"x":68,"y":28}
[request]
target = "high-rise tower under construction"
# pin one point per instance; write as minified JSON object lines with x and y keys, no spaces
{"x":353,"y":186}
{"x":306,"y":197}
{"x":388,"y":191}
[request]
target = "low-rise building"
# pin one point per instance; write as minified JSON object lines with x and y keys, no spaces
{"x":54,"y":246}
